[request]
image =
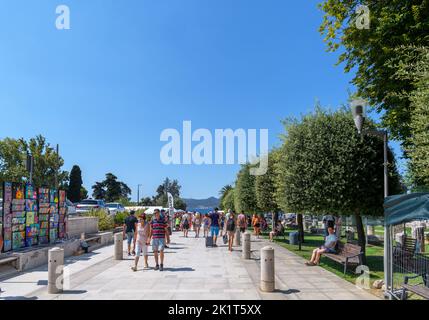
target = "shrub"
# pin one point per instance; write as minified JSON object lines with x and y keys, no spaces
{"x":105,"y":221}
{"x":120,"y":217}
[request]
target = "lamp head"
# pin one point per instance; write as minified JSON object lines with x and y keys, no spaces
{"x":358,"y":111}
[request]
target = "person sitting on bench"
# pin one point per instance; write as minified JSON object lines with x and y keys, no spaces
{"x":277,"y":231}
{"x":329,"y":247}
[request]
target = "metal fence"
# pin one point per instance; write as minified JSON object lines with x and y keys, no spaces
{"x":408,"y":267}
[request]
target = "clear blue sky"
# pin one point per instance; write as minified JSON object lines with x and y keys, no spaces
{"x":128,"y":69}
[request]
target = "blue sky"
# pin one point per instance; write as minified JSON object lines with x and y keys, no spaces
{"x":128,"y":69}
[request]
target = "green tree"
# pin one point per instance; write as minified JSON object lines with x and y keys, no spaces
{"x":13,"y":154}
{"x":110,"y":189}
{"x":147,"y":201}
{"x":325,"y":166}
{"x":173,"y":187}
{"x":83,"y":193}
{"x":222,"y":193}
{"x":228,"y":201}
{"x":244,"y":193}
{"x":413,"y":65}
{"x":98,"y":191}
{"x":265,"y":185}
{"x":366,"y":52}
{"x":75,"y":184}
{"x":115,"y":189}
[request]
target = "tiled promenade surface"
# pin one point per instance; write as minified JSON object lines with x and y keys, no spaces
{"x":191,"y":272}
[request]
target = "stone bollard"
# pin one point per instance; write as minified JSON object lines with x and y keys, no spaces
{"x":55,"y":270}
{"x":246,"y":246}
{"x":237,"y":240}
{"x":267,"y":269}
{"x":119,"y":246}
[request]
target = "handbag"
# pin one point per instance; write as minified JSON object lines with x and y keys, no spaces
{"x":225,"y":239}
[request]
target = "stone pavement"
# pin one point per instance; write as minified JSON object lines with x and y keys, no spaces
{"x":191,"y":272}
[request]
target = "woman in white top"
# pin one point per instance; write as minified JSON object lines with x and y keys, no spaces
{"x":141,"y":236}
{"x":197,"y":224}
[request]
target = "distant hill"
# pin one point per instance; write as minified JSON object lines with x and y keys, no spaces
{"x":211,"y":202}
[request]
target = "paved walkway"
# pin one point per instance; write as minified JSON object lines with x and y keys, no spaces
{"x":191,"y":272}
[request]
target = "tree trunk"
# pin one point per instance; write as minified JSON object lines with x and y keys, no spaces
{"x":300,"y":226}
{"x":361,"y":235}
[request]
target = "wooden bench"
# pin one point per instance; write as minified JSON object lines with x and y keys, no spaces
{"x":420,"y":289}
{"x":347,"y":254}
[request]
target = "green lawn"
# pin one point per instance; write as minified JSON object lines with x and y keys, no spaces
{"x":374,"y":257}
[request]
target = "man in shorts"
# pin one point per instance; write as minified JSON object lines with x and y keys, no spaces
{"x":214,"y":225}
{"x":242,"y":222}
{"x":158,"y":229}
{"x":130,"y":229}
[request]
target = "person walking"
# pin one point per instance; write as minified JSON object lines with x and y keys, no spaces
{"x":206,"y":225}
{"x":129,"y":229}
{"x":197,"y":224}
{"x":242,"y":222}
{"x":256,"y":223}
{"x":214,"y":225}
{"x":165,"y":216}
{"x":222,"y":223}
{"x":141,"y":237}
{"x":185,"y":224}
{"x":230,"y":229}
{"x":158,"y":228}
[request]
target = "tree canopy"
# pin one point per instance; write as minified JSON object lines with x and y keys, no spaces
{"x":110,"y":189}
{"x":228,"y":200}
{"x":265,"y":185}
{"x":13,"y":154}
{"x":325,"y":166}
{"x":367,"y":51}
{"x":244,"y":193}
{"x":74,"y":191}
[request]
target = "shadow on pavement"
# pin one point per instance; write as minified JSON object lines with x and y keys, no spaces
{"x":178,"y":269}
{"x":74,"y":291}
{"x":290,"y":291}
{"x":19,"y":298}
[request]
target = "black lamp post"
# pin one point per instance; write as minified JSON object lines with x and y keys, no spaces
{"x":358,"y":111}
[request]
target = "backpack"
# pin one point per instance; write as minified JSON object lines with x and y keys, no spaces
{"x":186,"y":223}
{"x":230,"y":225}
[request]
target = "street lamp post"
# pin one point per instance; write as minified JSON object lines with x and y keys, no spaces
{"x":138,"y":194}
{"x":358,"y":111}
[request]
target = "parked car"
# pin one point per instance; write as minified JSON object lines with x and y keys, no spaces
{"x":71,"y":208}
{"x":115,"y":207}
{"x":90,"y":204}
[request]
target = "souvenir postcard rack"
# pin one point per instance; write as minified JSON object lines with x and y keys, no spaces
{"x":62,"y":214}
{"x":54,"y":217}
{"x":44,"y":207}
{"x":7,"y":216}
{"x":18,"y":216}
{"x":32,"y":217}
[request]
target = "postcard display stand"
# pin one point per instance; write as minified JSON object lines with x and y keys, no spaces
{"x":32,"y":218}
{"x":54,"y":217}
{"x":62,"y":217}
{"x":7,"y":216}
{"x":18,"y":216}
{"x":44,"y":206}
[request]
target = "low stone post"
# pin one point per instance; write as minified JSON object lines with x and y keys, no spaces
{"x":267,"y":270}
{"x":55,"y":270}
{"x":237,"y":240}
{"x":246,"y":246}
{"x":119,"y":246}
